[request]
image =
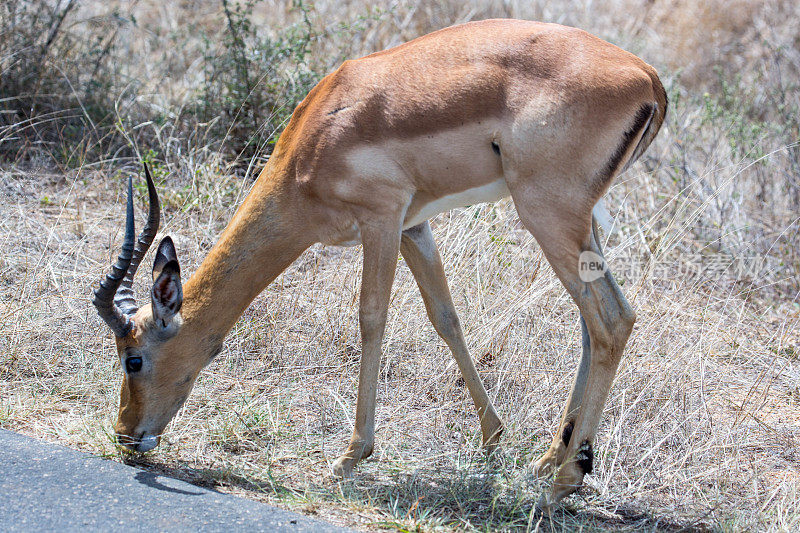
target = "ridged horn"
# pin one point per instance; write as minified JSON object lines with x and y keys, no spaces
{"x":119,"y":321}
{"x":125,"y":299}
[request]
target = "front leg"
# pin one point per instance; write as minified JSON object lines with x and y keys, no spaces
{"x":381,"y":246}
{"x":420,"y":252}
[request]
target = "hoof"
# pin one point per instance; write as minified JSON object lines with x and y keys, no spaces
{"x":546,"y":465}
{"x":343,"y":467}
{"x":568,"y":480}
{"x":545,"y":504}
{"x":492,"y":431}
{"x":492,"y":449}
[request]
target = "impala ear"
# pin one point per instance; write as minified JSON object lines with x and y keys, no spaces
{"x":167,"y":292}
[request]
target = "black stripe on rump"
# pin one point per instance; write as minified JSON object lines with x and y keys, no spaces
{"x":643,"y":117}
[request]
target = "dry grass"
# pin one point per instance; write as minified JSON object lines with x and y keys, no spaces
{"x":701,"y":429}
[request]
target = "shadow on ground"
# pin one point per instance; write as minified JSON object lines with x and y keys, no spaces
{"x":460,"y":498}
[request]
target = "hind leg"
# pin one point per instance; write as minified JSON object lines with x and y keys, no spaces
{"x":554,"y":456}
{"x":556,"y":176}
{"x":609,"y":321}
{"x":562,"y":226}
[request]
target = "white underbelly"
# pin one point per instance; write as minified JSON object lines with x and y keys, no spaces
{"x":491,"y":192}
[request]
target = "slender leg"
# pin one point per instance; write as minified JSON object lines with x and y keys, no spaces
{"x":381,"y":246}
{"x":420,"y":252}
{"x":564,"y":234}
{"x":609,"y":320}
{"x":554,"y":456}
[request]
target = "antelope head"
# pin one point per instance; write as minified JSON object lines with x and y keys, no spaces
{"x":153,"y":387}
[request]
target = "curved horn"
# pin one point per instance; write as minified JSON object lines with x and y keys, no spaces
{"x":125,"y":299}
{"x":119,"y":322}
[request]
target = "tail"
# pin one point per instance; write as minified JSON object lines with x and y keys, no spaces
{"x":657,"y":114}
{"x":648,"y":120}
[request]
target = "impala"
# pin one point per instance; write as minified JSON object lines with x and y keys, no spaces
{"x":543,"y":113}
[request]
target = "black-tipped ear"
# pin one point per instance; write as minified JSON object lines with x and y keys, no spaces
{"x":167,"y":292}
{"x":165,"y":254}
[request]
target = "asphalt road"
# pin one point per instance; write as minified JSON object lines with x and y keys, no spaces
{"x":44,"y":487}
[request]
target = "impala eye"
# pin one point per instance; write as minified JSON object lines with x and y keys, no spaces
{"x":133,"y":364}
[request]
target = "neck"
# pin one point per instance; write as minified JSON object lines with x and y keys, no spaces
{"x":264,"y":237}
